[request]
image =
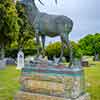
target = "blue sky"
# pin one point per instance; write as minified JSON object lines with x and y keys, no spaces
{"x":84,"y":13}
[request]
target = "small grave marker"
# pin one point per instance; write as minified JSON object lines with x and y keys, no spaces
{"x":2,"y":64}
{"x":20,"y":60}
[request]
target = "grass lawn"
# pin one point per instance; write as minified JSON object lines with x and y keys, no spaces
{"x":92,"y":76}
{"x":9,"y":82}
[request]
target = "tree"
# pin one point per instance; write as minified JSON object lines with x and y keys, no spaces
{"x":8,"y":23}
{"x":53,"y":50}
{"x":86,"y":45}
{"x":90,"y":44}
{"x":26,"y":32}
{"x":77,"y":52}
{"x":97,"y":42}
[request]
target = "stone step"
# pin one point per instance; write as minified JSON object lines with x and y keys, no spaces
{"x":43,"y":87}
{"x":32,"y":96}
{"x":69,"y":86}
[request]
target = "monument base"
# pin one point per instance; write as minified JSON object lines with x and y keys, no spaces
{"x":57,"y":82}
{"x":31,"y":96}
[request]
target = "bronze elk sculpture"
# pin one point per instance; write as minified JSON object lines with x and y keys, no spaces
{"x":48,"y":25}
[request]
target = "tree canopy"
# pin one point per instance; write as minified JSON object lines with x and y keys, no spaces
{"x":8,"y":22}
{"x":26,"y":33}
{"x":90,"y":44}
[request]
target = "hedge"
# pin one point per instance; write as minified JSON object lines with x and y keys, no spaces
{"x":13,"y":52}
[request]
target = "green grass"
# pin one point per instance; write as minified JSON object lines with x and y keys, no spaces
{"x":9,"y":81}
{"x":92,"y":75}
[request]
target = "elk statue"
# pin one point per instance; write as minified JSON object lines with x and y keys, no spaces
{"x":48,"y":25}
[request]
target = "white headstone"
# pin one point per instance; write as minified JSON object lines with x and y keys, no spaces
{"x":20,"y":60}
{"x":2,"y":64}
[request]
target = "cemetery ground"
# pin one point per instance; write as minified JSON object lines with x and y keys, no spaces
{"x":9,"y":81}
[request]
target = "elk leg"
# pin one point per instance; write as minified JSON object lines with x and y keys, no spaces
{"x":66,"y":38}
{"x":62,"y":50}
{"x":43,"y":44}
{"x":37,"y":42}
{"x":71,"y":55}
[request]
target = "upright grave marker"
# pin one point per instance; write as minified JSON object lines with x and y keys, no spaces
{"x":2,"y":61}
{"x":2,"y":64}
{"x":20,"y":60}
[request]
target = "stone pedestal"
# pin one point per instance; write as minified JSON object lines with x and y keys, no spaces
{"x":43,"y":82}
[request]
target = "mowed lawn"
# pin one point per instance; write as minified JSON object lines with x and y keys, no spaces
{"x":92,"y":76}
{"x":9,"y":81}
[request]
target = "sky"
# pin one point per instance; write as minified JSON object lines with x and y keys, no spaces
{"x":84,"y":13}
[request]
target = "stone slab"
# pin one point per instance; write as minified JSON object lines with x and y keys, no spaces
{"x":52,"y":70}
{"x":31,"y":96}
{"x":43,"y":87}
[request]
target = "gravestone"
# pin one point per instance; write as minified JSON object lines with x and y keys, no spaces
{"x":96,"y":57}
{"x":2,"y":61}
{"x":9,"y":61}
{"x":84,"y":62}
{"x":2,"y":64}
{"x":20,"y":60}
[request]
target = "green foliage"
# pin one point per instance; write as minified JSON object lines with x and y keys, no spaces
{"x":26,"y":33}
{"x":30,"y":52}
{"x":55,"y":50}
{"x":86,"y":44}
{"x":30,"y":44}
{"x":77,"y":52}
{"x":13,"y":52}
{"x":8,"y":22}
{"x":90,"y":44}
{"x":97,"y":42}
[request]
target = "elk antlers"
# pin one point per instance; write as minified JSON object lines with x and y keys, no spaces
{"x":43,"y":3}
